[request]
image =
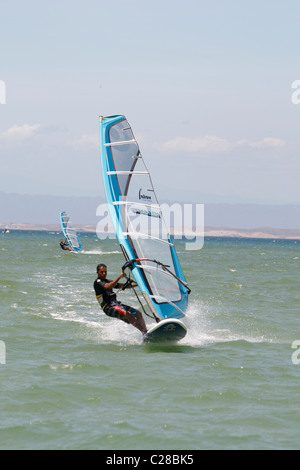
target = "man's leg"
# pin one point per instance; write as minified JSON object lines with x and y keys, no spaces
{"x":137,"y":320}
{"x":128,"y":315}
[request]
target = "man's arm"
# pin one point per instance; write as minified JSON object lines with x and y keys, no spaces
{"x":112,"y":284}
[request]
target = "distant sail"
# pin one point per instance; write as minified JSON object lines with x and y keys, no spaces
{"x":138,"y":220}
{"x":69,"y":233}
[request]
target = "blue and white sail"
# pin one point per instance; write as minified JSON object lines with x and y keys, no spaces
{"x":69,"y":232}
{"x":138,"y":221}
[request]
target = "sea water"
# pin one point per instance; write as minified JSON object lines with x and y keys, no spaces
{"x":72,"y":378}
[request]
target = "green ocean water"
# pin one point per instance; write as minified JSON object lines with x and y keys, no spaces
{"x":76,"y":379}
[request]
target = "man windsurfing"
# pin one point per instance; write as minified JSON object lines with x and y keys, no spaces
{"x":64,"y":245}
{"x":109,"y":303}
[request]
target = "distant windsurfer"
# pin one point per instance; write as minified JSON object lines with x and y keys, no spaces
{"x":64,"y":245}
{"x":108,"y":300}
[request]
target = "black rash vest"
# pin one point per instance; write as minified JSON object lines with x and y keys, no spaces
{"x":104,"y":296}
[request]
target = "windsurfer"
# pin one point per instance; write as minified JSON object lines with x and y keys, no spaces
{"x":108,"y":300}
{"x":64,"y":245}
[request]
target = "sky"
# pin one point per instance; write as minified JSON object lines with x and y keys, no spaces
{"x":207,"y":86}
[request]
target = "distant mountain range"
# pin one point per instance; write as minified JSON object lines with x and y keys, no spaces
{"x":44,"y":209}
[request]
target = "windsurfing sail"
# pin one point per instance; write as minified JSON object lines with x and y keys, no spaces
{"x":138,"y":221}
{"x":69,"y":232}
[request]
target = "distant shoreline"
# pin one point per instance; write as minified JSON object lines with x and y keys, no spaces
{"x":267,"y":233}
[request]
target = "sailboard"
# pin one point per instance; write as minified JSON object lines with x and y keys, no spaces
{"x":139,"y":224}
{"x":69,"y":232}
{"x":165,"y":331}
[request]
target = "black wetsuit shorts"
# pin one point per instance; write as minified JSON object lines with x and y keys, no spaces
{"x":117,"y":310}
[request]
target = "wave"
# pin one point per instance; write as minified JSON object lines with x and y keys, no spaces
{"x":204,"y":330}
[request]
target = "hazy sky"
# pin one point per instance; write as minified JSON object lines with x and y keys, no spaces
{"x":205,"y":85}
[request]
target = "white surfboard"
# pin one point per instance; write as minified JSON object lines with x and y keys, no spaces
{"x":169,"y":330}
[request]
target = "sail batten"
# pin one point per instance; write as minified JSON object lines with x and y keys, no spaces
{"x":138,"y":221}
{"x":111,"y":144}
{"x":150,"y":237}
{"x":127,"y":173}
{"x":141,"y":204}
